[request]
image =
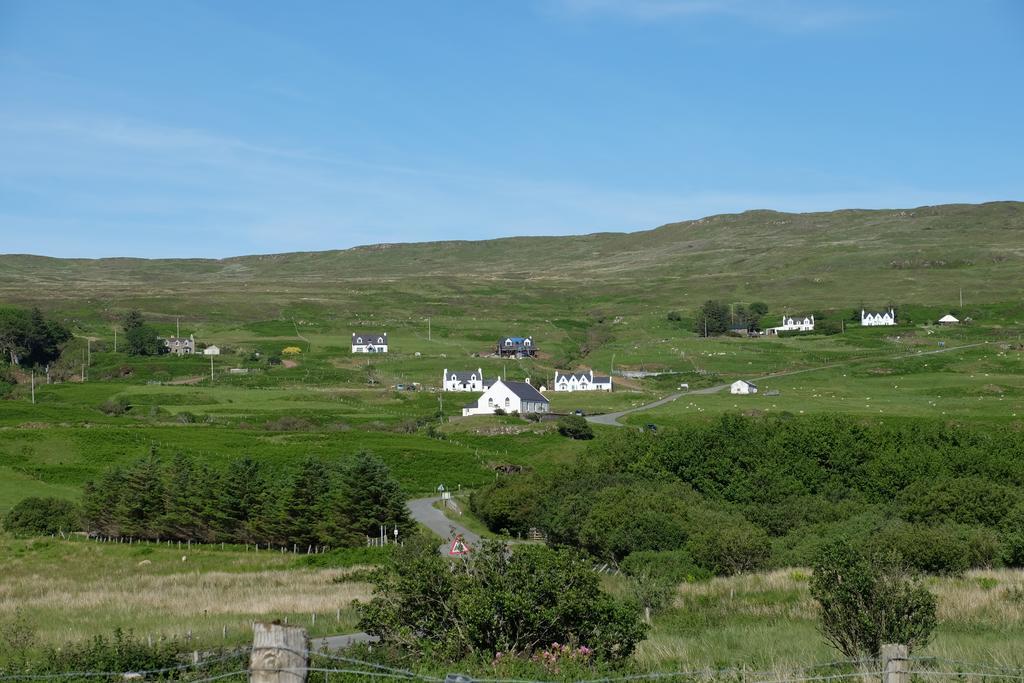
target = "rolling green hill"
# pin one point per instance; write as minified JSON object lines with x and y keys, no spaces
{"x":837,"y":259}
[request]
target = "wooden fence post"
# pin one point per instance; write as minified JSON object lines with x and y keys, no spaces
{"x":280,"y":654}
{"x":895,"y":664}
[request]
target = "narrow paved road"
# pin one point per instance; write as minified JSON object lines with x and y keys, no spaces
{"x":612,"y":419}
{"x":424,"y":512}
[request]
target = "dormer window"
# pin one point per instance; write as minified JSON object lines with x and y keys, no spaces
{"x":526,"y":343}
{"x":359,"y":340}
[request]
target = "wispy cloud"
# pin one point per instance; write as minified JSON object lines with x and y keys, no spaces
{"x":794,"y":15}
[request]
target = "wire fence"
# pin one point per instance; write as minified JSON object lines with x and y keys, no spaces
{"x":330,"y":666}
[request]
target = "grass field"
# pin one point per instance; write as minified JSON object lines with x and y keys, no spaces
{"x":72,"y":590}
{"x":768,"y":622}
{"x":596,"y":301}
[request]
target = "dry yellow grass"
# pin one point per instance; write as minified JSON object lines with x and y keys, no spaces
{"x":74,"y":590}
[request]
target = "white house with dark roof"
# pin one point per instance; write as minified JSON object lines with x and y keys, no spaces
{"x":794,"y":323}
{"x":369,"y":342}
{"x":511,"y":397}
{"x":464,"y":381}
{"x":869,"y":319}
{"x":581,"y":381}
{"x":743,"y":387}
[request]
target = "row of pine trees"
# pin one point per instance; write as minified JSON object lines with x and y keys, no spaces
{"x":317,"y":503}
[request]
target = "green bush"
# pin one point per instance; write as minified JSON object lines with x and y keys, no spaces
{"x":511,"y":505}
{"x":43,"y":517}
{"x":575,"y":427}
{"x":724,"y":544}
{"x":425,"y":604}
{"x":668,"y":566}
{"x":868,"y":598}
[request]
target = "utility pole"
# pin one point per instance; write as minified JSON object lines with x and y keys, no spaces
{"x":961,"y":298}
{"x":115,"y":340}
{"x":428,"y":329}
{"x":88,"y":346}
{"x":705,"y":327}
{"x":211,"y":369}
{"x":177,"y":326}
{"x":33,"y":387}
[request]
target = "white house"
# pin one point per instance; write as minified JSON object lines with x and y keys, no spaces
{"x":868,"y":319}
{"x":581,"y":381}
{"x":948,"y":320}
{"x":794,"y":323}
{"x":211,"y":350}
{"x":512,"y":397}
{"x":369,"y":342}
{"x":464,"y":381}
{"x":741,"y":386}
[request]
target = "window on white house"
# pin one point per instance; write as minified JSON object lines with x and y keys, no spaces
{"x":490,"y":402}
{"x":507,"y":402}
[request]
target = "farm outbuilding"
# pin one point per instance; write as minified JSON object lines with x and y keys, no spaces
{"x":948,"y":320}
{"x":742,"y":386}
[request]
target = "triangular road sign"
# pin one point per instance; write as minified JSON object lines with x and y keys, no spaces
{"x":459,"y":547}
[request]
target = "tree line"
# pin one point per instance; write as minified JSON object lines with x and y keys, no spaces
{"x":336,"y":503}
{"x":743,"y":493}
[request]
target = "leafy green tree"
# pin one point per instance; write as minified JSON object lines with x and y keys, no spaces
{"x":712,"y":318}
{"x":759,"y":308}
{"x":867,"y":599}
{"x":140,"y":338}
{"x":575,"y":427}
{"x":42,"y":517}
{"x":514,"y":602}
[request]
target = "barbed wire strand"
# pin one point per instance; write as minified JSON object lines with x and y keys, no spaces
{"x":99,"y":674}
{"x":965,"y":674}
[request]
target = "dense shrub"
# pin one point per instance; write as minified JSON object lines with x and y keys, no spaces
{"x":946,"y":496}
{"x":724,"y":544}
{"x":426,"y":604}
{"x":963,"y":500}
{"x":42,"y":517}
{"x":510,"y":505}
{"x":575,"y":427}
{"x":868,"y":599}
{"x":668,"y":566}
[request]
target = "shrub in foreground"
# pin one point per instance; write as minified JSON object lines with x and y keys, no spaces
{"x":867,"y":599}
{"x":424,"y":604}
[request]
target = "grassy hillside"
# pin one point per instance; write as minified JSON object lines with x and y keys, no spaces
{"x":921,"y":255}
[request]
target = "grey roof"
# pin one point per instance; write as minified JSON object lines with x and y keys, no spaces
{"x":369,"y":335}
{"x":463,"y":376}
{"x":794,"y":316}
{"x":526,"y":391}
{"x":746,"y":381}
{"x":602,"y":379}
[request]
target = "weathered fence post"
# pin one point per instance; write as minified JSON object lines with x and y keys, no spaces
{"x":280,"y":654}
{"x":895,"y":664}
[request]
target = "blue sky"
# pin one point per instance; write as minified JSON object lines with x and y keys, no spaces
{"x":212,"y":129}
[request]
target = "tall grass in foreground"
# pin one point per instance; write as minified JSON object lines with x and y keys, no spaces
{"x":768,"y":621}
